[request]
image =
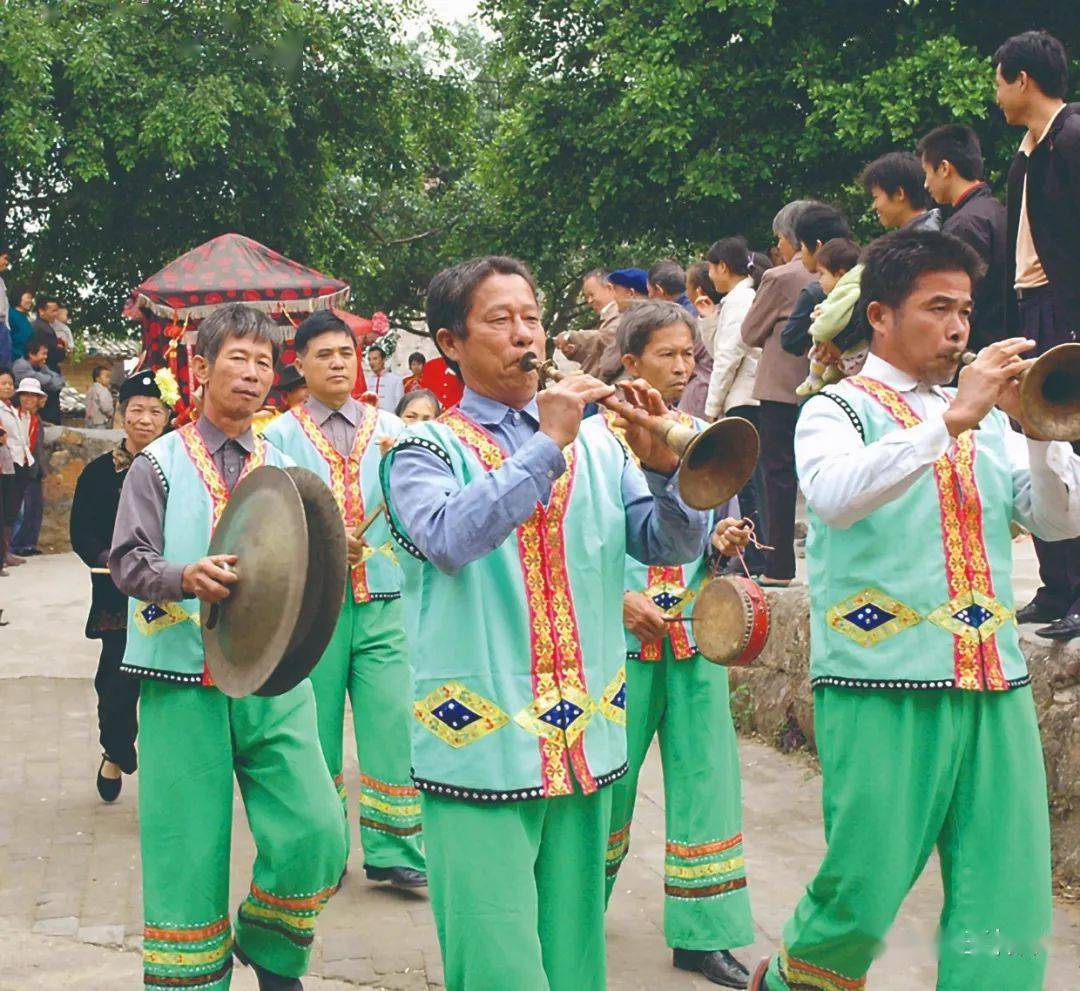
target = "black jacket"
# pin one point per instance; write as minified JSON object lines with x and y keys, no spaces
{"x":1053,"y":196}
{"x":979,"y":220}
{"x":93,"y":515}
{"x":795,"y":337}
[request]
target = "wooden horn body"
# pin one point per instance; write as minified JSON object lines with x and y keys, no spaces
{"x":716,"y":462}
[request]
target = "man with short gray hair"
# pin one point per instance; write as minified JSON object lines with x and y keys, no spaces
{"x":193,"y":737}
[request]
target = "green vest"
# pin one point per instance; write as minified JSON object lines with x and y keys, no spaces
{"x":164,"y":639}
{"x":919,"y":593}
{"x":672,"y":588}
{"x":518,"y":659}
{"x":354,"y":481}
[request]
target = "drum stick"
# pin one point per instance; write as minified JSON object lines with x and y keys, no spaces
{"x":363,"y":527}
{"x":99,"y":571}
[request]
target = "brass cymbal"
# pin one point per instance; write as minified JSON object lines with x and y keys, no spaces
{"x":265,"y":526}
{"x":324,"y":589}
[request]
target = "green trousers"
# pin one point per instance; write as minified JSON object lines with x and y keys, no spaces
{"x":518,"y":891}
{"x":192,"y":741}
{"x":903,"y":772}
{"x":368,"y":658}
{"x":706,"y":904}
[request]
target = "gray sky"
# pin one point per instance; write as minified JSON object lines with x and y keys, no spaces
{"x":452,"y":10}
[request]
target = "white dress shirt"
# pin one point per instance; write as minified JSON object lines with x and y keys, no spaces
{"x":734,"y":363}
{"x":389,"y":387}
{"x":845,"y":480}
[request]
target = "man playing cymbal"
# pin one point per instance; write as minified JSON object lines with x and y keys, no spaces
{"x":193,"y":738}
{"x":515,"y":527}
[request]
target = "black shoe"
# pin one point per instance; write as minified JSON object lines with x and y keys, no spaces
{"x":1061,"y":629}
{"x":399,"y":877}
{"x":268,"y":980}
{"x":718,"y":966}
{"x":1036,"y":612}
{"x":28,"y":552}
{"x":108,"y":788}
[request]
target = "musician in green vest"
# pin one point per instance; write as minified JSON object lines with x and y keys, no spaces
{"x":367,"y":659}
{"x":923,"y":709}
{"x":514,"y":528}
{"x":193,"y":738}
{"x":673,"y":692}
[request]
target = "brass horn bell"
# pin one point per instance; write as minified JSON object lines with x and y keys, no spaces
{"x":1050,"y":394}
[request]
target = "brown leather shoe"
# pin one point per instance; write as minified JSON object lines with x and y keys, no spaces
{"x":757,"y":982}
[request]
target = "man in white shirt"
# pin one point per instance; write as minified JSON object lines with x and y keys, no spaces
{"x":923,"y":709}
{"x":387,"y":385}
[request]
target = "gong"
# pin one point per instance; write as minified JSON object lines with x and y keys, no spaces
{"x":324,"y":590}
{"x":246,"y":634}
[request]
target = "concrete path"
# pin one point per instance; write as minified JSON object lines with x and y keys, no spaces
{"x":70,"y":912}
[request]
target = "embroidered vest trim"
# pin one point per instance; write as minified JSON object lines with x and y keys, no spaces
{"x":663,"y":583}
{"x":345,"y":480}
{"x":557,"y":666}
{"x":976,"y":660}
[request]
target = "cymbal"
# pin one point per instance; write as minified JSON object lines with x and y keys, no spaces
{"x":265,"y":526}
{"x":324,"y":589}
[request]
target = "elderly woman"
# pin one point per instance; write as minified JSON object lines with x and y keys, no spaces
{"x":93,"y":513}
{"x":778,"y":375}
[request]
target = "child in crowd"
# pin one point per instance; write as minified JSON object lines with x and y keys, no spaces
{"x":835,"y":353}
{"x":99,"y":399}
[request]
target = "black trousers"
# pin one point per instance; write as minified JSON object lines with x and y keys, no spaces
{"x":777,"y":428}
{"x":752,"y":498}
{"x":1043,"y":320}
{"x":118,"y":700}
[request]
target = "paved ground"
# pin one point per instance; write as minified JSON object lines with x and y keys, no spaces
{"x":70,"y":913}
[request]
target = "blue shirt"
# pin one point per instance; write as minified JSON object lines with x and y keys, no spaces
{"x":454,"y":525}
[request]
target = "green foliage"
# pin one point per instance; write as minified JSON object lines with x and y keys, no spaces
{"x":588,"y":132}
{"x":669,"y":123}
{"x":132,"y":131}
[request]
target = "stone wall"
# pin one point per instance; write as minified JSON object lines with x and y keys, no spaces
{"x":772,"y":698}
{"x":67,"y":450}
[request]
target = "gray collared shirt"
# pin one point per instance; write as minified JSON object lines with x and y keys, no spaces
{"x":339,"y":425}
{"x":136,"y":561}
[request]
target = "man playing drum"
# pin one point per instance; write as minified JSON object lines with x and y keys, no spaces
{"x":674,"y":692}
{"x":338,"y":438}
{"x":515,"y":527}
{"x":922,"y":702}
{"x":194,"y":738}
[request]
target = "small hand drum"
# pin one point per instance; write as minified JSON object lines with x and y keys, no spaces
{"x":731,"y":621}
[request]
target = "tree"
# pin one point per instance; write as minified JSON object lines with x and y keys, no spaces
{"x":130,"y":132}
{"x":638,"y":129}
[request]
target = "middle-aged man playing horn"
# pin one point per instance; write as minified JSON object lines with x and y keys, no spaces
{"x":516,"y":527}
{"x":338,"y":438}
{"x":922,"y":702}
{"x":194,"y":738}
{"x":674,"y":692}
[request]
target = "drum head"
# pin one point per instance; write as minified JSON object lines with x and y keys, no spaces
{"x":721,"y":620}
{"x":325,"y":586}
{"x":264,"y":525}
